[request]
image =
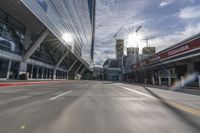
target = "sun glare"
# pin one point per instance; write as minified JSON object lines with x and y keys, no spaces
{"x":132,"y":40}
{"x":67,"y":37}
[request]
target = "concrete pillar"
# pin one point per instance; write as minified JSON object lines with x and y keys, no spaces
{"x":54,"y":73}
{"x":8,"y":72}
{"x":22,"y":68}
{"x":199,"y":80}
{"x":37,"y":43}
{"x":159,"y":80}
{"x":37,"y":72}
{"x":169,"y":81}
{"x":31,"y":72}
{"x":145,"y":81}
{"x":182,"y":81}
{"x":153,"y":80}
{"x":42,"y":73}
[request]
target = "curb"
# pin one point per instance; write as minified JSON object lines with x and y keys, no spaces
{"x":6,"y":84}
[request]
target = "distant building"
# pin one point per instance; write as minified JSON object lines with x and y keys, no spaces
{"x":132,"y":59}
{"x":98,"y":73}
{"x":112,"y":70}
{"x":132,"y":50}
{"x":119,"y":48}
{"x":149,"y":50}
{"x":169,"y":66}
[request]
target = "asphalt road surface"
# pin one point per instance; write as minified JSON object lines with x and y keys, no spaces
{"x":97,"y":107}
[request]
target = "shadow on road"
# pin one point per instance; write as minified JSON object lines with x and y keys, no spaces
{"x":182,"y":115}
{"x":109,"y":82}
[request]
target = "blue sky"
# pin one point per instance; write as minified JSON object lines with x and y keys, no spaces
{"x":165,"y":21}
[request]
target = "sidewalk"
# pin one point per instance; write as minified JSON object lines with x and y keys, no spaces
{"x":190,"y":90}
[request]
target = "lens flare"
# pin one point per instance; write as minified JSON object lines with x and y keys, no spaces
{"x":67,"y":37}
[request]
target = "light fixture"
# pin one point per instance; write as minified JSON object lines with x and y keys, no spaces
{"x":67,"y":37}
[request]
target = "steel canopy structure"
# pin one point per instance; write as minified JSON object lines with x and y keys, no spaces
{"x":42,"y":51}
{"x":62,"y":17}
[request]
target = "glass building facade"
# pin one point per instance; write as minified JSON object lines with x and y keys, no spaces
{"x":73,"y":17}
{"x":59,"y":17}
{"x":11,"y":34}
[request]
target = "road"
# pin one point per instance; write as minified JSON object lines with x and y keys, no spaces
{"x":96,"y":107}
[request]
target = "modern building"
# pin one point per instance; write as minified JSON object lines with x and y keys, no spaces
{"x":112,"y":70}
{"x":98,"y":73}
{"x":171,"y":65}
{"x":132,"y":51}
{"x":149,"y":50}
{"x":119,"y":48}
{"x":45,"y":39}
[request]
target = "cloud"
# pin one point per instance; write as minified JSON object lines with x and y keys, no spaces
{"x":190,"y":12}
{"x":163,"y":42}
{"x":166,"y":2}
{"x":110,"y":16}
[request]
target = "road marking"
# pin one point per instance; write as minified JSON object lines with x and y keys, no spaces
{"x":22,"y":127}
{"x":138,"y":92}
{"x":14,"y":99}
{"x":60,"y":95}
{"x":183,"y":108}
{"x":178,"y":106}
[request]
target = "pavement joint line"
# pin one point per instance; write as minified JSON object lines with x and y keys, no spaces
{"x":60,"y":95}
{"x":140,"y":93}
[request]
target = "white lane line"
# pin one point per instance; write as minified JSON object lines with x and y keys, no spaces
{"x":60,"y":95}
{"x":14,"y":99}
{"x":138,"y":92}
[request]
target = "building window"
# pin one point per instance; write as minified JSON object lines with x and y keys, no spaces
{"x":40,"y":72}
{"x":29,"y":70}
{"x":35,"y":71}
{"x":3,"y":67}
{"x":11,"y":34}
{"x":14,"y":70}
{"x":45,"y":73}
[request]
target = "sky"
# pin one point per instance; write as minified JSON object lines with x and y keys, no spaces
{"x":164,"y":22}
